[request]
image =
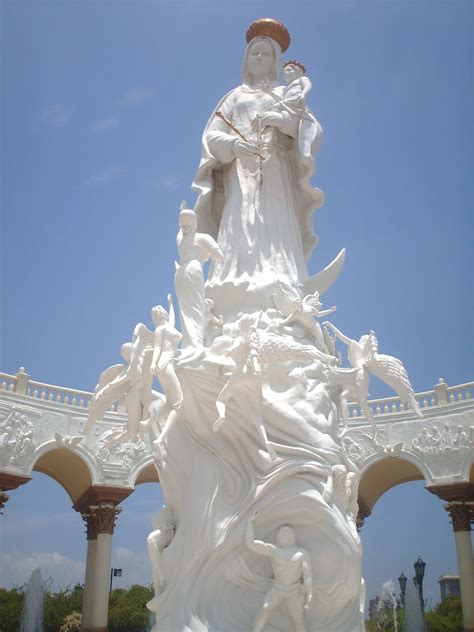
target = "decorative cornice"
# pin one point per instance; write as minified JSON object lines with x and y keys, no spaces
{"x":454,"y":492}
{"x":97,"y":495}
{"x":12,"y":481}
{"x":460,"y":516}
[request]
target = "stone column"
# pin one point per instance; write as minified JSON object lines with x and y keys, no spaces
{"x":98,"y":507}
{"x":89,"y":592}
{"x":460,"y":513}
{"x":103,"y":517}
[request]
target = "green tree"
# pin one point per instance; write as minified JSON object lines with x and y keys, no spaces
{"x":11,"y":605}
{"x":127,"y":609}
{"x":57,"y":606}
{"x":446,"y":617}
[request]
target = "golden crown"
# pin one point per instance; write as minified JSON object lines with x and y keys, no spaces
{"x":269,"y":27}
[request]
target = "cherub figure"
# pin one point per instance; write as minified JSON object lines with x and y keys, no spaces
{"x":341,"y":488}
{"x":244,"y":383}
{"x":132,"y":381}
{"x":303,"y":311}
{"x":364,"y":359}
{"x":212,"y":322}
{"x":194,"y":249}
{"x":161,"y":537}
{"x":165,"y":341}
{"x":292,"y":577}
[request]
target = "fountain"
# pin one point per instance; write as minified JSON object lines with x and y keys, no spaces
{"x":388,"y":599}
{"x":32,"y":615}
{"x":413,"y":614}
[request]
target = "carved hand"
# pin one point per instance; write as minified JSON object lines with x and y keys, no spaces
{"x":243,"y":149}
{"x":270,"y":118}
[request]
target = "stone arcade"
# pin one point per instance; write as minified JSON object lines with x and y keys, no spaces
{"x":268,"y":451}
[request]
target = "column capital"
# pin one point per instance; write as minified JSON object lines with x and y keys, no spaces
{"x":97,"y":495}
{"x":460,"y":514}
{"x":102,"y":519}
{"x":91,"y":532}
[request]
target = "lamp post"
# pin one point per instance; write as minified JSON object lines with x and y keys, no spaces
{"x":418,"y":579}
{"x":402,"y":580}
{"x":114,"y":572}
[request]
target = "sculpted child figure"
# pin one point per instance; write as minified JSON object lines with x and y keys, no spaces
{"x":292,"y":583}
{"x":194,"y":249}
{"x":161,"y":537}
{"x":298,"y":85}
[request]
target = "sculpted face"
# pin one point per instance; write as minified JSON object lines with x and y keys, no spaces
{"x":286,"y":537}
{"x":292,"y":72}
{"x":187,"y":221}
{"x":260,"y":59}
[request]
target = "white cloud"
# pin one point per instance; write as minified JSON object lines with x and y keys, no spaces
{"x":137,"y":96}
{"x":104,"y":125}
{"x":17,"y":568}
{"x":38,"y":521}
{"x":168,"y":182}
{"x":57,"y":115}
{"x":136,"y":567}
{"x":111,"y":172}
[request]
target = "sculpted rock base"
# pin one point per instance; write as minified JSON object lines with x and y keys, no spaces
{"x":214,"y":482}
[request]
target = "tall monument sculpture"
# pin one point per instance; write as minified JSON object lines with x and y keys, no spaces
{"x":261,"y":496}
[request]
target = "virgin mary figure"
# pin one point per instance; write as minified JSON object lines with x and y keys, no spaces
{"x":255,"y":196}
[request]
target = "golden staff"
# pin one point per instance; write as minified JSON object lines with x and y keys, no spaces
{"x":227,"y":122}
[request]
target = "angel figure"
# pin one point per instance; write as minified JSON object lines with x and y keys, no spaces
{"x":211,"y":321}
{"x":303,"y":311}
{"x":364,"y":359}
{"x":165,"y":341}
{"x":194,"y":249}
{"x":245,"y":383}
{"x":161,"y":537}
{"x":131,"y":381}
{"x":341,"y":489}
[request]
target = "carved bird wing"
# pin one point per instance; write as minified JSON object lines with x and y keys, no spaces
{"x":287,"y":301}
{"x":391,"y":371}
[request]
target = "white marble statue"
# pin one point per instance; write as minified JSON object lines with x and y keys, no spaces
{"x":342,"y":489}
{"x":161,"y":537}
{"x":131,"y":381}
{"x":303,"y":311}
{"x":292,"y":577}
{"x":194,"y":249}
{"x":364,"y":359}
{"x":244,"y":384}
{"x":262,"y":221}
{"x":165,"y":341}
{"x":212,"y":322}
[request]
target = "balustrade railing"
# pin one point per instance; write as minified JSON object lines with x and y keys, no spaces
{"x":441,"y":395}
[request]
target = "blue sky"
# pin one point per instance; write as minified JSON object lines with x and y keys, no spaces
{"x":103,"y":105}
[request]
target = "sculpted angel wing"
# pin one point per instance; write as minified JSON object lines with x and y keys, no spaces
{"x":287,"y":301}
{"x":108,"y":376}
{"x":312,"y":300}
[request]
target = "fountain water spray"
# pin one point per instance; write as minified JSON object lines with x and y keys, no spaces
{"x":388,"y":599}
{"x":32,"y":615}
